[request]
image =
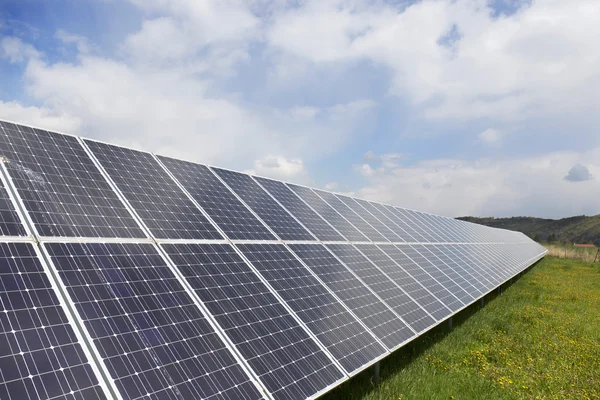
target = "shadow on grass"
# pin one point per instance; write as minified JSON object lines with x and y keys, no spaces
{"x":362,"y":384}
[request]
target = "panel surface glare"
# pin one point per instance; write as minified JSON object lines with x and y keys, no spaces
{"x":423,"y":277}
{"x":10,"y":223}
{"x":154,"y":340}
{"x":390,"y":292}
{"x":63,"y":191}
{"x":408,"y":282}
{"x":161,"y":204}
{"x":349,"y":342}
{"x":311,"y":220}
{"x":365,"y":214}
{"x":233,"y":217}
{"x":351,"y":216}
{"x":329,"y":214}
{"x":278,"y":219}
{"x":287,"y":360}
{"x":375,"y":314}
{"x":40,"y":356}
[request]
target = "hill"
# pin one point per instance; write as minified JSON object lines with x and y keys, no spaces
{"x":578,"y":229}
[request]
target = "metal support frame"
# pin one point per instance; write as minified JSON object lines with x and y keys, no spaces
{"x":376,"y":370}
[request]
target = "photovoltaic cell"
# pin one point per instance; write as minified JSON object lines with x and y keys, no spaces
{"x":287,"y":360}
{"x":351,"y":216}
{"x":345,"y":338}
{"x":278,"y":219}
{"x":10,"y":223}
{"x":40,"y":356}
{"x":401,"y":222}
{"x":470,"y":274}
{"x":422,"y":276}
{"x":63,"y":191}
{"x":411,"y":219}
{"x":401,"y":236}
{"x":369,"y":218}
{"x":311,"y":220}
{"x":328,"y":213}
{"x":156,"y":198}
{"x":154,"y":340}
{"x":409,"y":283}
{"x":216,"y":199}
{"x":392,"y":294}
{"x":375,"y":314}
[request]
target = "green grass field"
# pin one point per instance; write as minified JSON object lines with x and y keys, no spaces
{"x":540,"y":339}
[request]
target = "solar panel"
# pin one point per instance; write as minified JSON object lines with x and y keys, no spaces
{"x":423,"y":276}
{"x":410,"y":219}
{"x":401,"y":222}
{"x":152,"y":337}
{"x":475,"y":276}
{"x":393,"y":294}
{"x":287,"y":360}
{"x":63,"y":191}
{"x":10,"y":223}
{"x":401,"y":235}
{"x":230,"y":214}
{"x":368,"y":307}
{"x":303,"y":213}
{"x":328,"y":213}
{"x":351,"y":216}
{"x":410,"y":284}
{"x":372,"y":220}
{"x":163,"y":207}
{"x":40,"y":355}
{"x":278,"y":219}
{"x":352,"y":345}
{"x":472,"y":256}
{"x":456,"y":273}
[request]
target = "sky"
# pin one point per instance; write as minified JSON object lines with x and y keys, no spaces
{"x":455,"y":107}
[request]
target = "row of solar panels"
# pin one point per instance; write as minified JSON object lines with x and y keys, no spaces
{"x":158,"y":318}
{"x":61,"y":182}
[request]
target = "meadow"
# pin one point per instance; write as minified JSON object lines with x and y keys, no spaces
{"x":539,"y":339}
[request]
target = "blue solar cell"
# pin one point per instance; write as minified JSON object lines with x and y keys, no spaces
{"x":375,"y":314}
{"x":311,"y":220}
{"x":161,"y":204}
{"x":152,"y":337}
{"x":40,"y":356}
{"x":63,"y":191}
{"x":278,"y":219}
{"x":347,"y":340}
{"x":284,"y":356}
{"x":328,"y":213}
{"x":233,"y":217}
{"x":367,"y":214}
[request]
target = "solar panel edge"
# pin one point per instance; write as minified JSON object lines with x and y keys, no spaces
{"x":76,"y":322}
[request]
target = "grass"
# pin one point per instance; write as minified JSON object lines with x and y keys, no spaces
{"x":570,"y":251}
{"x":540,"y":339}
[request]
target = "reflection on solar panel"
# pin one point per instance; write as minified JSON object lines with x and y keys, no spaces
{"x":289,"y":362}
{"x":317,"y":225}
{"x":10,"y":223}
{"x":234,"y":287}
{"x":369,"y":218}
{"x":40,"y":356}
{"x":220,"y":204}
{"x":376,"y":315}
{"x":161,"y":204}
{"x":349,"y":341}
{"x":282,"y":223}
{"x":351,"y":216}
{"x":390,"y":292}
{"x":61,"y":188}
{"x":329,"y":214}
{"x":154,"y":340}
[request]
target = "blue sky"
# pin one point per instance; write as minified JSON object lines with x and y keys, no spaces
{"x":454,"y":107}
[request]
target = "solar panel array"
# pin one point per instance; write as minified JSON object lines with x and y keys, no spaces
{"x":126,"y":275}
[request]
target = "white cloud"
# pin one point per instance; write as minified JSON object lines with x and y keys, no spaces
{"x":331,"y":186}
{"x":16,"y":51}
{"x":42,"y":117}
{"x":81,"y":43}
{"x":491,"y":137}
{"x":578,"y":173}
{"x":527,"y":186}
{"x":279,"y":167}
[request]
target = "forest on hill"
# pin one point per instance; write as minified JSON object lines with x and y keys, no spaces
{"x":578,"y":229}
